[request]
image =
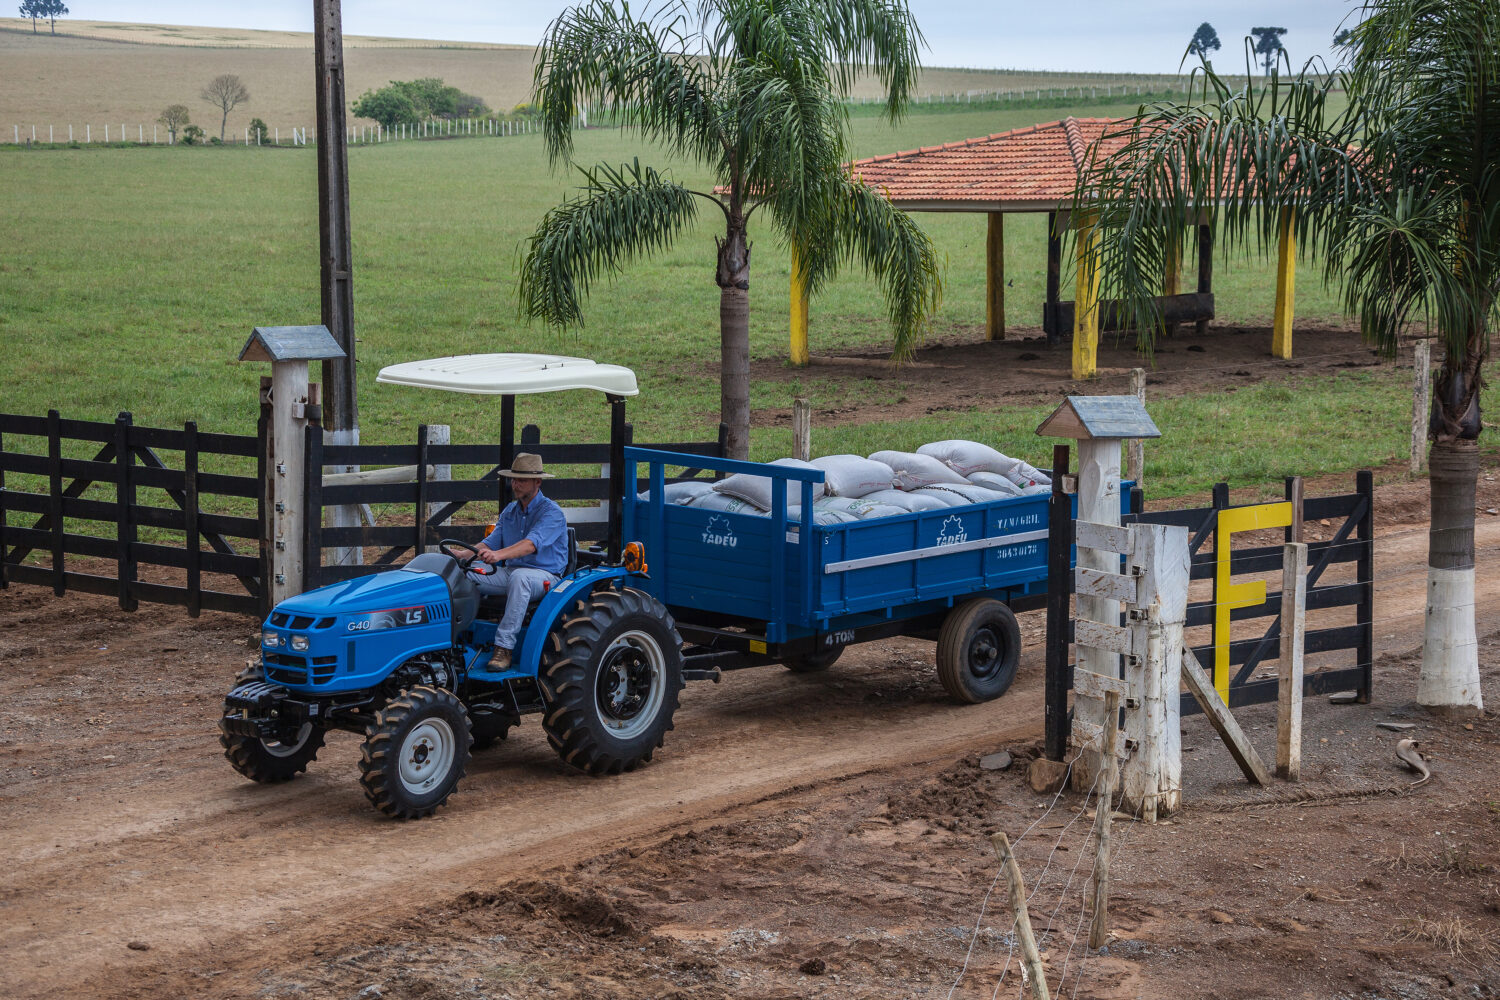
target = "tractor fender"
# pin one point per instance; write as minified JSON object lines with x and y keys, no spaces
{"x":557,"y":600}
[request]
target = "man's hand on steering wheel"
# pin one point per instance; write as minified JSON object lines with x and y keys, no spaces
{"x":466,"y":563}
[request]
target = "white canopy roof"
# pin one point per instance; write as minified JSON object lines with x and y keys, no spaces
{"x":511,"y":374}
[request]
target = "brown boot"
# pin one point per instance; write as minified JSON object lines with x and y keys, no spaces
{"x":500,"y":660}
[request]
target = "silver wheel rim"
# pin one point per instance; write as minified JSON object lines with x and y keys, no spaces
{"x":615,"y":686}
{"x":426,"y":756}
{"x":276,"y":748}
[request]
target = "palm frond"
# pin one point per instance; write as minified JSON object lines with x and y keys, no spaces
{"x":624,"y":213}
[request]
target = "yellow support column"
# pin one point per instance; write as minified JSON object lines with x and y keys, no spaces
{"x":1286,"y":287}
{"x":799,"y":353}
{"x":994,"y":278}
{"x":1086,"y":301}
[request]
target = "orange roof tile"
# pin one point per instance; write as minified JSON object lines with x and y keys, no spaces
{"x":1032,"y":168}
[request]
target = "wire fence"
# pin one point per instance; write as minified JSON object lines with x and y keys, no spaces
{"x":158,"y":134}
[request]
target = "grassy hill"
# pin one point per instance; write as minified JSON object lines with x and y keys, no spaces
{"x":94,"y":72}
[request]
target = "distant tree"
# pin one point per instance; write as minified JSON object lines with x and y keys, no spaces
{"x":224,"y":92}
{"x":52,"y":10}
{"x":1204,"y":39}
{"x":192,"y":135}
{"x":259,"y":130}
{"x":33,"y":10}
{"x":1267,"y":44}
{"x":174,"y":117}
{"x":390,"y":106}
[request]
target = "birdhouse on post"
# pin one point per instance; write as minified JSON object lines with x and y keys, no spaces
{"x":1099,"y":424}
{"x":291,"y":402}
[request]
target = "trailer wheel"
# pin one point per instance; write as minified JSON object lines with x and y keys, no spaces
{"x":813,"y":662}
{"x":978,"y":649}
{"x":415,"y":753}
{"x":272,"y":761}
{"x":610,"y":675}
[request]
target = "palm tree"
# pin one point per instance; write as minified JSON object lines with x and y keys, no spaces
{"x":752,"y":89}
{"x":1398,"y":193}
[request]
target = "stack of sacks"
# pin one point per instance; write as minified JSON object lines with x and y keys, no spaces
{"x":858,"y":508}
{"x":821,"y":515}
{"x":909,"y":502}
{"x":912,"y":472}
{"x":683,"y":493}
{"x":966,"y":458}
{"x":960,"y":494}
{"x":758,"y":490}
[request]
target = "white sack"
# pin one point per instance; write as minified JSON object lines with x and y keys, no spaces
{"x":969,"y":457}
{"x":906,"y":501}
{"x":916,"y":471}
{"x":964,"y":493}
{"x":858,"y":507}
{"x":853,"y":476}
{"x":995,"y":481}
{"x":681,"y":493}
{"x":758,"y":489}
{"x":728,"y":504}
{"x":820,"y":516}
{"x":1039,"y":489}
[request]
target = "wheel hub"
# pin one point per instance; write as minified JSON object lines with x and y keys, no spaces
{"x":984,"y":654}
{"x":426,"y":755}
{"x":631,"y":684}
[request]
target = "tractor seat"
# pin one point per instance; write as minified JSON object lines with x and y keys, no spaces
{"x":496,"y":602}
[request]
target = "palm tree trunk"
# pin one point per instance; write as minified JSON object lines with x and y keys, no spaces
{"x":1450,"y":652}
{"x":733,"y":279}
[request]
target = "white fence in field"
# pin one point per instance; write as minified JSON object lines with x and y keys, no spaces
{"x":138,"y":134}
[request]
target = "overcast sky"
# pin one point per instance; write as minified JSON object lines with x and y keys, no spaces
{"x":1146,"y":36}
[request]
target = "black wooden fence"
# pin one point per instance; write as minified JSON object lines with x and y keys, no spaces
{"x":424,"y":525}
{"x":57,"y":504}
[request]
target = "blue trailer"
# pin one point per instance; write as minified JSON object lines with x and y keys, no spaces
{"x":745,"y":590}
{"x":677,"y":594}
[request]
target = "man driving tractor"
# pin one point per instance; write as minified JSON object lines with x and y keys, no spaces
{"x":526,"y":552}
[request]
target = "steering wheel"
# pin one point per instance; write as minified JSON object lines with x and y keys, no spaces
{"x":466,"y":563}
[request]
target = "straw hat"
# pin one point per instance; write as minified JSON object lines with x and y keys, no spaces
{"x":526,"y":466}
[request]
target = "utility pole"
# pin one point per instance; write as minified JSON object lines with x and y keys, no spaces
{"x":341,"y":406}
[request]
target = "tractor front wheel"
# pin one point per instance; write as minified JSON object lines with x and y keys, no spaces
{"x":415,"y":752}
{"x":271,"y":761}
{"x":610,"y":676}
{"x":978,"y":650}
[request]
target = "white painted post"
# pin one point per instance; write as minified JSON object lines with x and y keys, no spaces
{"x":1152,"y":776}
{"x":1421,"y":401}
{"x":88,"y":134}
{"x":70,"y":133}
{"x":16,"y":129}
{"x":346,"y":516}
{"x":140,"y":134}
{"x":1099,"y":502}
{"x":286,"y":488}
{"x":1289,"y":670}
{"x":106,"y":133}
{"x":439,"y":434}
{"x":278,"y":135}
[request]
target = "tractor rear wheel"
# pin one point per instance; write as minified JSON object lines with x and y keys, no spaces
{"x":978,"y":649}
{"x":813,"y":663}
{"x":415,"y":752}
{"x":610,"y":675}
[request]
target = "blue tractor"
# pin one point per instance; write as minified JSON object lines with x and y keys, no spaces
{"x":401,"y":657}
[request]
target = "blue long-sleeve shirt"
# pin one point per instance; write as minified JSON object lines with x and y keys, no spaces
{"x":544,"y":523}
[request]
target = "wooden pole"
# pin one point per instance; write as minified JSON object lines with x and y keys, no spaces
{"x":1421,"y":402}
{"x":285,"y":470}
{"x":799,"y":350}
{"x":1031,"y":960}
{"x":1098,"y":502}
{"x":1135,"y":449}
{"x":1086,"y":299}
{"x":1286,"y":286}
{"x":994,"y":277}
{"x":1103,"y":806}
{"x":1289,"y":671}
{"x":801,"y":429}
{"x":1224,"y":723}
{"x":440,"y":435}
{"x":1050,"y":322}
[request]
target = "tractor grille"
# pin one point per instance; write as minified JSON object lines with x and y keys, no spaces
{"x":437,"y":612}
{"x":323,"y":668}
{"x":286,"y":669}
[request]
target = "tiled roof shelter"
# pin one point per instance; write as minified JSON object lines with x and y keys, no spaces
{"x":1034,"y":169}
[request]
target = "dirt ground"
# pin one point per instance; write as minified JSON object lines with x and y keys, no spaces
{"x":799,"y":836}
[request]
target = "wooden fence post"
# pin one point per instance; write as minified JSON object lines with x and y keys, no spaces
{"x":1103,"y":806}
{"x":801,"y":429}
{"x":1152,"y":775}
{"x":1031,"y":960}
{"x":440,"y":435}
{"x":1099,"y":503}
{"x":1289,"y":670}
{"x":1421,"y":402}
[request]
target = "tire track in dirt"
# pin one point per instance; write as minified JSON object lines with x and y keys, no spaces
{"x":195,"y":860}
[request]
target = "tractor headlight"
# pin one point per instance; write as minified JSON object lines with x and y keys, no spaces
{"x":299,"y":643}
{"x":269,"y":639}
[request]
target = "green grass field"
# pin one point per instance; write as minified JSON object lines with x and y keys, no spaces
{"x":136,"y":275}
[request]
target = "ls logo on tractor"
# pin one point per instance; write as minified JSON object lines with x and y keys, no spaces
{"x":952,"y":532}
{"x":719,"y":532}
{"x":394,"y":618}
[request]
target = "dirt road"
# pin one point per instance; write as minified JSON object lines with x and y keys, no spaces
{"x":122,"y":824}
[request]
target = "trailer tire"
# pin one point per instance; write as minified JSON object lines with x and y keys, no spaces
{"x":978,"y":650}
{"x":415,"y":752}
{"x":813,"y":663}
{"x":610,"y":674}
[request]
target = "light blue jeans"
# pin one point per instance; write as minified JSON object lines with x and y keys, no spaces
{"x":519,"y":586}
